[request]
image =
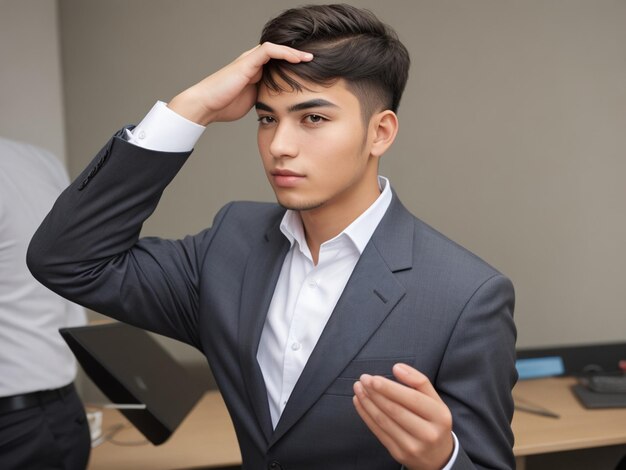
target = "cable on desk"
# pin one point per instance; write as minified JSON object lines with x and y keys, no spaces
{"x":522,"y":404}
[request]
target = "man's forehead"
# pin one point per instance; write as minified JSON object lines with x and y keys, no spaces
{"x":285,"y":92}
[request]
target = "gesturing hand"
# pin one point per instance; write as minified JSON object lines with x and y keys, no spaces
{"x":229,"y":93}
{"x":410,"y":420}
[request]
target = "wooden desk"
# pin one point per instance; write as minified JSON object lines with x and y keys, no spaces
{"x":207,"y":438}
{"x":577,"y":427}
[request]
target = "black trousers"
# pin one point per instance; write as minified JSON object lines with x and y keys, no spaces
{"x":52,"y":436}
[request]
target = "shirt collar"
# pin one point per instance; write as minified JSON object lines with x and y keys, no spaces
{"x":359,"y":231}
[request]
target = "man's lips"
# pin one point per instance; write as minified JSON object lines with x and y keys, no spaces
{"x":285,"y":173}
{"x":286,"y":178}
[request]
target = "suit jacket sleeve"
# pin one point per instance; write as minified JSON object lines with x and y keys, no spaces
{"x":477,"y":374}
{"x":88,"y":249}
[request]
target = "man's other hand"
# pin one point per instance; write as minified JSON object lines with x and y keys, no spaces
{"x":410,"y":420}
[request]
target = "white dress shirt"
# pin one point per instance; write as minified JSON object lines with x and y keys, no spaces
{"x":33,"y":355}
{"x":305,"y":294}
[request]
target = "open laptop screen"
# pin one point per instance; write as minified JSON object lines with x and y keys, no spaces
{"x":130,"y":367}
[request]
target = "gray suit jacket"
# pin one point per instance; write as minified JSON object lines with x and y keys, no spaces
{"x":414,"y":296}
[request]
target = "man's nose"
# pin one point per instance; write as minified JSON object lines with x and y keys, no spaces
{"x":284,"y":142}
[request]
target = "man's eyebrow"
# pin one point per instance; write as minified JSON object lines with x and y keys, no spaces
{"x":260,"y":106}
{"x":315,"y":103}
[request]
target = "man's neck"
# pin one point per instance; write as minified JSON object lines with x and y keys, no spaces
{"x":326,"y":222}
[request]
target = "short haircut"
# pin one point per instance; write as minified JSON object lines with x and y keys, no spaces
{"x":347,"y":43}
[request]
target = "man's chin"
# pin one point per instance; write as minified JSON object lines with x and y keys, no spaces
{"x":300,"y":205}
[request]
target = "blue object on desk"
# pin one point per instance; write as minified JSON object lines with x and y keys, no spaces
{"x":537,"y":367}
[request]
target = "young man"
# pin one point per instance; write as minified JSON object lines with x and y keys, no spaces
{"x":342,"y":332}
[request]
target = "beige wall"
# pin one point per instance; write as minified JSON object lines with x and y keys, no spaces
{"x":31,"y":100}
{"x":512,"y":136}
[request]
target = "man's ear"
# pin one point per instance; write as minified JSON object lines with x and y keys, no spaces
{"x":384,"y":128}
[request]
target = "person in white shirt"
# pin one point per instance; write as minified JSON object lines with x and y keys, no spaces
{"x":42,"y":420}
{"x":343,"y":332}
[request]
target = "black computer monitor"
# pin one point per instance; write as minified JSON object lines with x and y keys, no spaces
{"x":131,"y":368}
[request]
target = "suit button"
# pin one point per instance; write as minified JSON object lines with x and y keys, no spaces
{"x":275,"y":465}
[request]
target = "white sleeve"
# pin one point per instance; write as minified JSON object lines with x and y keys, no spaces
{"x":165,"y":130}
{"x":455,"y":453}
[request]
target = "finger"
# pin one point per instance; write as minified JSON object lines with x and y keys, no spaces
{"x":430,"y":444}
{"x":361,"y":404}
{"x":401,"y":444}
{"x":414,"y":400}
{"x":278,"y":51}
{"x":415,"y":379}
{"x":252,"y":61}
{"x":267,"y":51}
{"x":409,"y":420}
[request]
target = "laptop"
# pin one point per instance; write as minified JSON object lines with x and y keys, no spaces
{"x":133,"y":370}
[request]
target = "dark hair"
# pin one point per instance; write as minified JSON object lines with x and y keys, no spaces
{"x":347,"y":42}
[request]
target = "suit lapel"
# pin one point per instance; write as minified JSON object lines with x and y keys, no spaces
{"x":369,"y":296}
{"x":258,"y":286}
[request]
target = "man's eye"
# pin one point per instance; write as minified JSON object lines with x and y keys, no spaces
{"x":314,"y":118}
{"x":266,"y":119}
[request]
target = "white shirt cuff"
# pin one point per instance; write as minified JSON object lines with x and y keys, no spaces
{"x":165,"y":130}
{"x":454,"y":454}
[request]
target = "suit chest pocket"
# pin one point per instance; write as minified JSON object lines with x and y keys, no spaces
{"x":373,"y":366}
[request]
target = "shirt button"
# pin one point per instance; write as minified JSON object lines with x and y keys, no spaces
{"x":312,"y":283}
{"x":295,"y":346}
{"x":142,"y":135}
